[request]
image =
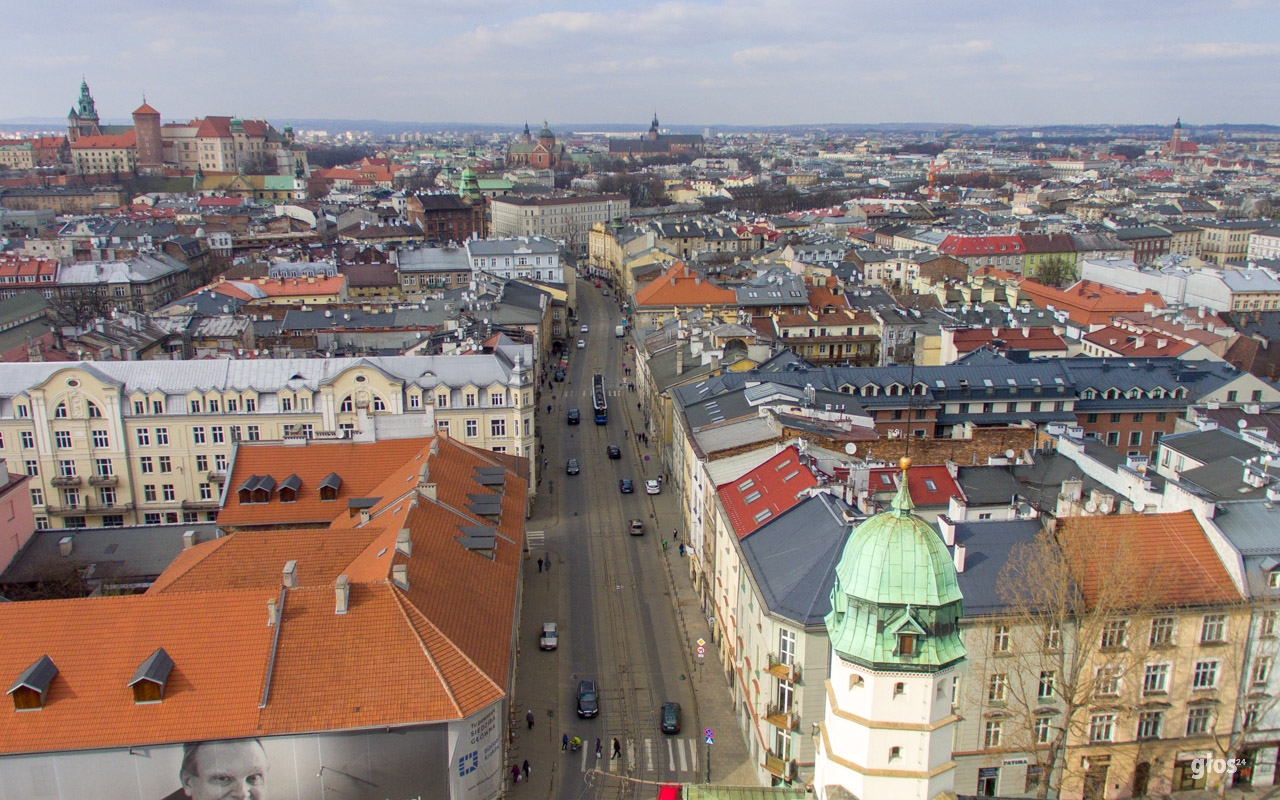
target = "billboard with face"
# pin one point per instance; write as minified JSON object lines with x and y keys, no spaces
{"x":397,"y":764}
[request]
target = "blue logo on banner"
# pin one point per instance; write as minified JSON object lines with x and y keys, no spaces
{"x":469,"y":763}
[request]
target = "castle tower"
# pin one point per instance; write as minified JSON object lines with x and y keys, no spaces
{"x":895,"y":647}
{"x":83,"y":119}
{"x":146,"y":127}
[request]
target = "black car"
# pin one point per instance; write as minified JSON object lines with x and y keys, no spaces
{"x":572,"y":467}
{"x":626,"y":486}
{"x":575,"y":416}
{"x":670,"y":718}
{"x":559,"y":375}
{"x":588,"y":699}
{"x":614,"y":451}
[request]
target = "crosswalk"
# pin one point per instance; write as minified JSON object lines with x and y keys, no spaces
{"x":537,"y":540}
{"x":665,"y":755}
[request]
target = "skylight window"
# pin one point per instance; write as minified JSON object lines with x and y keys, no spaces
{"x":762,"y":515}
{"x":747,"y":484}
{"x":782,"y":466}
{"x":751,"y":498}
{"x":930,"y":485}
{"x":790,"y":475}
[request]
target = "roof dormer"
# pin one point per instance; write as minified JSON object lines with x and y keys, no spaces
{"x":149,"y":681}
{"x":32,"y":686}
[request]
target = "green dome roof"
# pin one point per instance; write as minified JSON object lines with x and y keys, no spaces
{"x":896,"y":577}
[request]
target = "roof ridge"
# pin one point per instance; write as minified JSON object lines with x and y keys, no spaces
{"x":404,"y":605}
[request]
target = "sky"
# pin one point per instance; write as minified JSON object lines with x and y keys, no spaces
{"x":694,"y":62}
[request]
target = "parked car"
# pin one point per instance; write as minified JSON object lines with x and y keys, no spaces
{"x":549,"y":638}
{"x":670,"y":718}
{"x":585,"y":329}
{"x":626,"y":486}
{"x":582,"y":343}
{"x":614,"y":451}
{"x":588,"y":699}
{"x":559,"y":375}
{"x":652,"y":486}
{"x":575,"y":416}
{"x":572,"y":467}
{"x":637,"y":527}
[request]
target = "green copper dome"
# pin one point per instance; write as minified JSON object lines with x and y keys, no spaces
{"x":896,"y":603}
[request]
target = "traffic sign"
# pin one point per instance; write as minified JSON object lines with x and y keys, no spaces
{"x":701,"y":642}
{"x":711,"y":736}
{"x":702,"y":651}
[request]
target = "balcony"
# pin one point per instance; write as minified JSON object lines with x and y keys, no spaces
{"x":65,"y":481}
{"x":199,"y":505}
{"x":775,"y":766}
{"x":788,"y":720}
{"x":84,"y":508}
{"x":782,"y":670}
{"x":103,"y":480}
{"x":217,"y":476}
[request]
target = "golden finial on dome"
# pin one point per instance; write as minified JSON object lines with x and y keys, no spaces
{"x":904,"y":463}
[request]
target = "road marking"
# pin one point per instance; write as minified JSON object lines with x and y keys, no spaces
{"x":648,"y":754}
{"x":631,"y":755}
{"x":584,"y":757}
{"x":684,"y":762}
{"x":537,"y":540}
{"x":693,"y":754}
{"x":671,"y":758}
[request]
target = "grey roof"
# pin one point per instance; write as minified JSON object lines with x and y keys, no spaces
{"x":792,"y":559}
{"x":155,"y":669}
{"x":735,"y":434}
{"x":432,"y":259}
{"x":988,"y":486}
{"x":36,"y":677}
{"x":122,"y":555}
{"x":1208,"y":446}
{"x":142,"y":269}
{"x":988,"y":546}
{"x":507,"y":247}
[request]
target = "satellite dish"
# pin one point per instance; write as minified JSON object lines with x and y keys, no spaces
{"x":851,"y":448}
{"x":1009,"y":453}
{"x":1091,"y":507}
{"x":1139,"y":507}
{"x":1242,"y":424}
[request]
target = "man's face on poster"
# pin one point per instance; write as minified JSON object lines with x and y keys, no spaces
{"x":228,"y":771}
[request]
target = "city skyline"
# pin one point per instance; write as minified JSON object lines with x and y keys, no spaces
{"x":721,"y":62}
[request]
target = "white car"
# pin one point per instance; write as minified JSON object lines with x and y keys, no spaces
{"x":652,"y":487}
{"x":585,"y":329}
{"x":582,"y":343}
{"x":549,"y":639}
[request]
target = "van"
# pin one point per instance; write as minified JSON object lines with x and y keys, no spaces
{"x":620,"y":331}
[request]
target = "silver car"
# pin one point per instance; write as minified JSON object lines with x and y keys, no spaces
{"x":549,"y":638}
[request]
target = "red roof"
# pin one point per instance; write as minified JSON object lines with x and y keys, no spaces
{"x":1088,"y":302}
{"x":930,"y":485}
{"x":146,"y":109}
{"x":112,"y":142}
{"x":1029,"y":338}
{"x":1128,"y":343}
{"x":680,"y":286}
{"x":766,"y":491}
{"x":962,"y":246}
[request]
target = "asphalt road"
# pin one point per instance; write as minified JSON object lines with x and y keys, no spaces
{"x":608,"y":591}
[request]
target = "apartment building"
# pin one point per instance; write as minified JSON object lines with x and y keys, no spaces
{"x":567,"y":219}
{"x":120,"y":443}
{"x":1227,"y":240}
{"x":528,"y":257}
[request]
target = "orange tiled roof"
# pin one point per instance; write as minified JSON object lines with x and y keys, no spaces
{"x":290,"y":287}
{"x":680,"y":286}
{"x":1171,"y":548}
{"x":1088,"y":302}
{"x":436,"y":649}
{"x":106,"y":142}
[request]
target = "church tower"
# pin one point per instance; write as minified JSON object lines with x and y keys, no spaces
{"x":895,"y":647}
{"x":653,"y":128}
{"x":83,"y":119}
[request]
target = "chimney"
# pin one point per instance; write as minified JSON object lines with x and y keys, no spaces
{"x":403,"y":543}
{"x":364,"y":516}
{"x":948,"y":530}
{"x":188,"y":540}
{"x":289,"y":578}
{"x":273,"y":613}
{"x":400,"y":575}
{"x":64,"y":545}
{"x":427,"y":490}
{"x":343,"y":591}
{"x":679,"y":359}
{"x":959,"y":557}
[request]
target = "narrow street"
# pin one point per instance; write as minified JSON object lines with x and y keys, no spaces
{"x":611,"y":594}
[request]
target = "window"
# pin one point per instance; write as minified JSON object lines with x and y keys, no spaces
{"x":1033,"y":775}
{"x":1115,"y":633}
{"x":286,"y":403}
{"x":71,"y":498}
{"x":216,"y":433}
{"x":1113,"y":438}
{"x":1053,"y":636}
{"x":62,"y":439}
{"x":1251,"y":711}
{"x":37,"y":496}
{"x":997,"y":685}
{"x":470,"y":400}
{"x":442,"y":425}
{"x":497,"y":399}
{"x":197,"y":435}
{"x":304,"y":402}
{"x":1161,"y":416}
{"x":1213,"y":628}
{"x":378,"y":404}
{"x":415,"y":401}
{"x":1135,"y":438}
{"x":1205,"y":675}
{"x":1107,"y":681}
{"x":220,"y":462}
{"x":145,"y":465}
{"x":144,"y":437}
{"x":151,"y":519}
{"x":1231,"y":396}
{"x":1155,"y":679}
{"x":233,"y":405}
{"x":61,"y":411}
{"x":66,"y":469}
{"x":250,"y":405}
{"x":139,"y":408}
{"x":1255,"y":397}
{"x":162,"y":436}
{"x":28,"y":439}
{"x":157,"y":406}
{"x":993,"y":734}
{"x":1261,"y":670}
{"x":254,"y":434}
{"x":23,"y":411}
{"x":473,"y":428}
{"x":1042,"y":728}
{"x":206,"y":491}
{"x":498,"y":427}
{"x":1047,"y":680}
{"x":33,"y":468}
{"x":1149,"y":724}
{"x":107,"y":495}
{"x":442,"y":400}
{"x":1101,"y":727}
{"x":1001,"y":642}
{"x":94,"y":411}
{"x":347,"y":406}
{"x":1198,"y":718}
{"x":1115,"y":417}
{"x":1091,"y":418}
{"x":1267,"y":625}
{"x":1162,"y":631}
{"x":149,"y":493}
{"x":308,"y":430}
{"x":169,"y":495}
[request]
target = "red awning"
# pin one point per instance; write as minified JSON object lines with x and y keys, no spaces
{"x":668,"y":793}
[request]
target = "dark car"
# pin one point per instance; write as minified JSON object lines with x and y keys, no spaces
{"x":559,"y":375}
{"x":588,"y":699}
{"x":575,"y":416}
{"x":614,"y":451}
{"x":670,"y":718}
{"x":572,"y":467}
{"x":626,"y":486}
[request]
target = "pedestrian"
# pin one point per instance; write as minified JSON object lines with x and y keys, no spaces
{"x":546,"y":462}
{"x":525,"y":769}
{"x":598,"y":750}
{"x":675,"y":534}
{"x":564,"y":742}
{"x":548,"y":408}
{"x":515,"y":773}
{"x":664,"y":547}
{"x":682,"y":551}
{"x":617,"y":749}
{"x":529,"y":718}
{"x":539,"y":565}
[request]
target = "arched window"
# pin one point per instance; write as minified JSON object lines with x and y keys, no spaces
{"x":61,"y":411}
{"x":346,"y":406}
{"x":378,"y":405}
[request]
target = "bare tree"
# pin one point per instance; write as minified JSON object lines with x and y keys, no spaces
{"x":1068,"y":633}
